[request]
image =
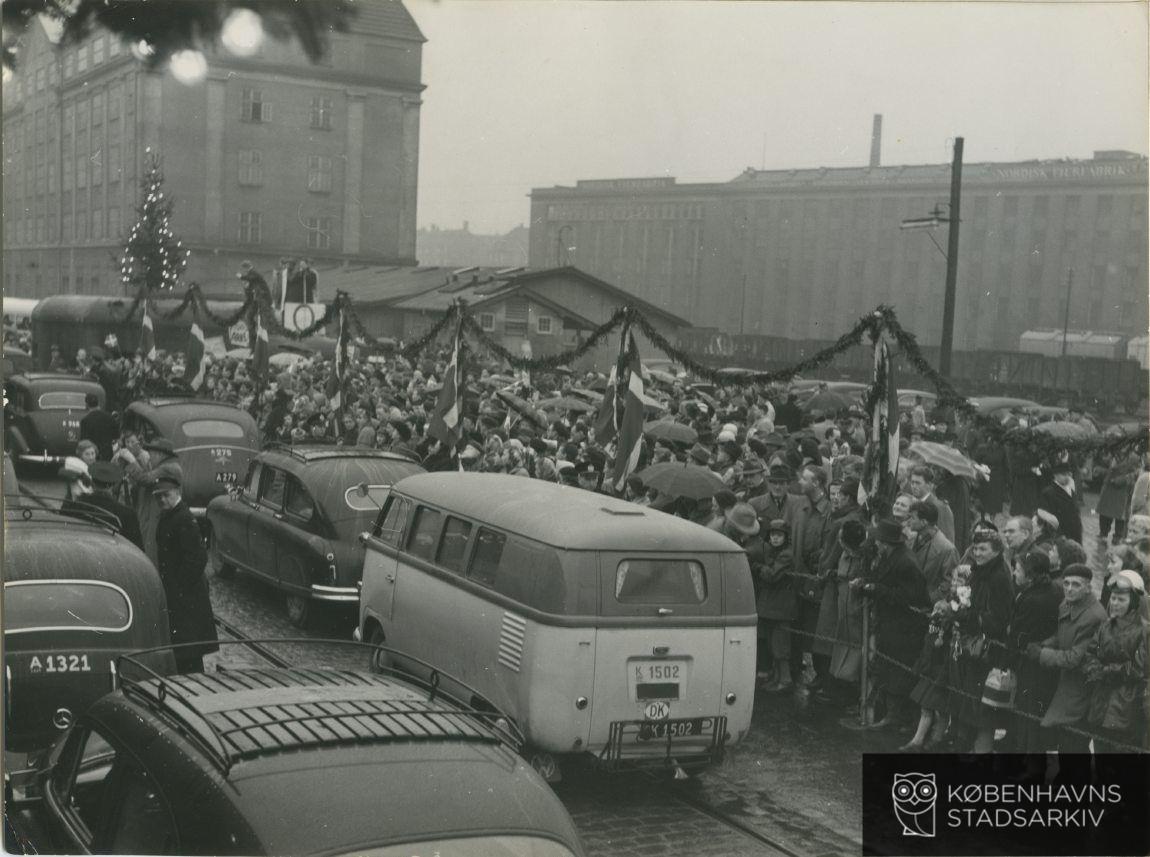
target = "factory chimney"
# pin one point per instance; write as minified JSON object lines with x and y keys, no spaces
{"x":876,"y":142}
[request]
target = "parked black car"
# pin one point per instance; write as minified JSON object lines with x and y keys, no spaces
{"x":215,"y":441}
{"x":291,"y":761}
{"x":43,"y":411}
{"x":296,"y":520}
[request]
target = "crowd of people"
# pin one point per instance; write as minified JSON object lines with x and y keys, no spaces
{"x":985,"y":619}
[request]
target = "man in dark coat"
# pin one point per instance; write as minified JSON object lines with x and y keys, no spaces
{"x":106,"y":476}
{"x":181,"y":564}
{"x":98,"y":426}
{"x":1060,"y":499}
{"x":896,"y":590}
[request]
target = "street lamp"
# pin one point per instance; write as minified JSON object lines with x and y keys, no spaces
{"x":930,"y":222}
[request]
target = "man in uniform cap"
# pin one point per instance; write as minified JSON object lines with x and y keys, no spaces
{"x":182,"y":558}
{"x":162,"y":462}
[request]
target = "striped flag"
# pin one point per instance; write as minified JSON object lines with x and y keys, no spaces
{"x":259,"y":347}
{"x":630,"y":443}
{"x":147,"y":335}
{"x":607,"y":422}
{"x":194,"y":359}
{"x":446,"y":425}
{"x":881,"y":470}
{"x":338,"y":369}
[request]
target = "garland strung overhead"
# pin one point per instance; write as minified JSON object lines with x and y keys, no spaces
{"x":872,"y":325}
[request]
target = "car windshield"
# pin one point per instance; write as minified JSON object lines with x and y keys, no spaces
{"x":61,"y":400}
{"x":57,"y":605}
{"x":474,"y":846}
{"x":369,"y":500}
{"x":212,"y":429}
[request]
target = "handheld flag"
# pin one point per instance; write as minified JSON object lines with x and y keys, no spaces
{"x":259,"y":347}
{"x":339,"y":368}
{"x":631,"y":428}
{"x":147,"y":335}
{"x":881,"y":469}
{"x":607,"y":421}
{"x":446,"y":425}
{"x":194,"y":359}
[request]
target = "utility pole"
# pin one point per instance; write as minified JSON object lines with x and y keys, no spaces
{"x":951,"y":262}
{"x":1066,"y":313}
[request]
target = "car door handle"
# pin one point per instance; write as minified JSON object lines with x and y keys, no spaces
{"x":390,"y":578}
{"x":279,"y":516}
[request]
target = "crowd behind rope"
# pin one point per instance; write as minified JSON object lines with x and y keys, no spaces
{"x":985,"y":620}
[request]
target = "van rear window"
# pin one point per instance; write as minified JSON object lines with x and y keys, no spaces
{"x":212,"y":429}
{"x":660,"y":581}
{"x":61,"y":401}
{"x":56,"y":605}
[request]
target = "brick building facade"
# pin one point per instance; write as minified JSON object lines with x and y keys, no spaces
{"x":269,"y":156}
{"x":803,"y":253}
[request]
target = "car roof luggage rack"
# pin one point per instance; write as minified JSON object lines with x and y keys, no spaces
{"x":33,"y":507}
{"x":252,"y":727}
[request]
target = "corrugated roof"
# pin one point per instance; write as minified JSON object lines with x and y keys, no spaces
{"x":382,"y":283}
{"x":385,"y":18}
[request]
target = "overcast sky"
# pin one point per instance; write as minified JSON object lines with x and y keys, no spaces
{"x":524,"y":93}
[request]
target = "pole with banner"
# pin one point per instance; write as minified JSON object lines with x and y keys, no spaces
{"x":446,"y":423}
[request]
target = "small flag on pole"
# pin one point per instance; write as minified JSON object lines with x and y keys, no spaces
{"x":607,"y":421}
{"x":882,"y":458}
{"x":259,"y":347}
{"x":630,"y":443}
{"x":147,"y":335}
{"x":194,"y":359}
{"x":339,"y":368}
{"x":445,"y":425}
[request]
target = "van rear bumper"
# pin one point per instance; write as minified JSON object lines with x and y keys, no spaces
{"x":623,"y":749}
{"x":338,"y":594}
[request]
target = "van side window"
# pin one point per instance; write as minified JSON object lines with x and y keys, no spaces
{"x":389,"y":530}
{"x":453,"y":544}
{"x":424,"y":533}
{"x":660,"y":581}
{"x":485,"y":558}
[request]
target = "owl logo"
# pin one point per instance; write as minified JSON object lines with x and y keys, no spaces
{"x":914,"y":798}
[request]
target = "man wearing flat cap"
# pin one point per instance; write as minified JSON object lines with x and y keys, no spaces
{"x":181,"y":565}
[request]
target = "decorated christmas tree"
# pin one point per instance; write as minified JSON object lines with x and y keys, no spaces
{"x":153,"y":257}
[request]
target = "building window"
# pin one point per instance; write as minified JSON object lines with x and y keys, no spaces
{"x":318,"y":173}
{"x":113,"y":47}
{"x":250,"y":227}
{"x":318,"y":233}
{"x":487,"y":321}
{"x":251,"y":167}
{"x":515,"y":317}
{"x":255,"y":109}
{"x":82,"y":59}
{"x":69,"y":64}
{"x":98,"y":48}
{"x":97,"y":225}
{"x":321,"y":110}
{"x":544,"y":324}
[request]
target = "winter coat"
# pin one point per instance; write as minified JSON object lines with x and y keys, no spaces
{"x":1034,"y":617}
{"x":813,"y":531}
{"x":1114,"y":498}
{"x":989,"y":614}
{"x":955,"y":492}
{"x":1024,"y":482}
{"x":936,"y":558}
{"x":101,"y":428}
{"x":1140,"y":496}
{"x":1115,"y":669}
{"x":899,"y":591}
{"x":147,"y":510}
{"x":776,"y":584}
{"x":992,"y":493}
{"x":181,"y":564}
{"x":1064,"y":507}
{"x":1065,"y":651}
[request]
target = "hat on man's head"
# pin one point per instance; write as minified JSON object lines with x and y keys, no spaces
{"x":160,"y":444}
{"x":1048,"y":518}
{"x":774,"y":440}
{"x":1078,"y":569}
{"x":888,"y":531}
{"x":700,"y":454}
{"x":778,"y":525}
{"x":742,"y":517}
{"x":74,"y":469}
{"x":105,"y":473}
{"x":166,"y":483}
{"x":779,"y":473}
{"x":757,"y":446}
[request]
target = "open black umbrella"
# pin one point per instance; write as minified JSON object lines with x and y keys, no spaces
{"x":523,"y":407}
{"x":672,"y":431}
{"x":675,"y":479}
